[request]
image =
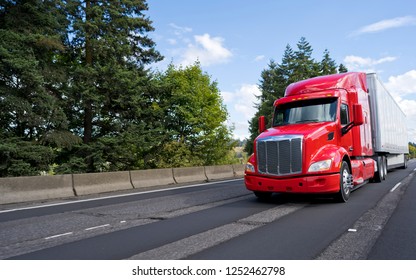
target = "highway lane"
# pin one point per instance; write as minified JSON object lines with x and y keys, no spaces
{"x":220,"y":220}
{"x":55,"y":225}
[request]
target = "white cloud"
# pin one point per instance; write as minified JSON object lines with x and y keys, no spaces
{"x":227,"y":96}
{"x":240,"y":104}
{"x":412,"y":135}
{"x":172,"y":41}
{"x":245,"y":99}
{"x":365,"y":64}
{"x":386,"y":24}
{"x":409,"y":108}
{"x":403,"y":89}
{"x":207,"y":50}
{"x":402,"y":85}
{"x":180,"y":30}
{"x":259,"y":58}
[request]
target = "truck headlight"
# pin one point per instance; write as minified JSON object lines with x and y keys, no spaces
{"x":320,"y":166}
{"x":250,"y":167}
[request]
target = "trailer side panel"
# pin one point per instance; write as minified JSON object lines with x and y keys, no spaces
{"x":389,"y":131}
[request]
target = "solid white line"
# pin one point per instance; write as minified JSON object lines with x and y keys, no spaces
{"x":395,"y":187}
{"x":58,"y":235}
{"x":101,"y":226}
{"x":115,"y":196}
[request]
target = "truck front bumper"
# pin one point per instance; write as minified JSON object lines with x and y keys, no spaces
{"x":326,"y":183}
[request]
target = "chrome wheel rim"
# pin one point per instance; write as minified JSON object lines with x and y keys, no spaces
{"x":346,"y":181}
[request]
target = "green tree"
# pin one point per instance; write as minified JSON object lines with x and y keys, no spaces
{"x":327,"y":65}
{"x":76,"y":93}
{"x":107,"y":94}
{"x":304,"y":66}
{"x":412,"y":150}
{"x":194,"y":119}
{"x":342,"y":68}
{"x":31,"y":114}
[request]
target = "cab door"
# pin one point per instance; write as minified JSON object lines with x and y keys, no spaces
{"x":346,"y":139}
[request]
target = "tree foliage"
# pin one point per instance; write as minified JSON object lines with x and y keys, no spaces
{"x":76,"y":93}
{"x":31,"y":113}
{"x":194,"y":119}
{"x":296,"y":65}
{"x":412,"y":150}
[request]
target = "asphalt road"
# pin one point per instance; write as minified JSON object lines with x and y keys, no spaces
{"x":217,"y":220}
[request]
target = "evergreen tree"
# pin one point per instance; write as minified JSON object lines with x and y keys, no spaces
{"x":327,"y":65}
{"x":304,"y":65}
{"x":287,"y":67}
{"x":108,"y":93}
{"x":76,"y":94}
{"x":342,"y":69}
{"x":110,"y":49}
{"x":31,"y":115}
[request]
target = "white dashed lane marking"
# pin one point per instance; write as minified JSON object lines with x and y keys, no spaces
{"x":395,"y":187}
{"x":96,"y":227}
{"x":58,"y":235}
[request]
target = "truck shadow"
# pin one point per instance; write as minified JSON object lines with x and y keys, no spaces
{"x":284,"y":198}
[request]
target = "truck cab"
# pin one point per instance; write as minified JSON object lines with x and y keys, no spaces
{"x":320,"y":140}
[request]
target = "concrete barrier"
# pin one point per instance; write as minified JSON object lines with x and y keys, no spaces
{"x":22,"y":189}
{"x":151,"y":178}
{"x":189,"y":174}
{"x":239,"y":170}
{"x":93,"y":183}
{"x":219,"y":172}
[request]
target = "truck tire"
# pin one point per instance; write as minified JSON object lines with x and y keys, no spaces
{"x":345,"y":184}
{"x":385,"y":167}
{"x":380,"y":175}
{"x":404,"y":166}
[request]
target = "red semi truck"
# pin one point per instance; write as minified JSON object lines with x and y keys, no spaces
{"x":329,"y":135}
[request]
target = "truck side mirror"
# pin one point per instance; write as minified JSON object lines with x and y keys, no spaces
{"x":358,"y":114}
{"x":357,"y":111}
{"x":262,"y":124}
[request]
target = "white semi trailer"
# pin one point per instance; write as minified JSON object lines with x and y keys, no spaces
{"x":389,"y":131}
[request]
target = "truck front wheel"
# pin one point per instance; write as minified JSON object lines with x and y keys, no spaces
{"x":345,"y":183}
{"x":380,"y":175}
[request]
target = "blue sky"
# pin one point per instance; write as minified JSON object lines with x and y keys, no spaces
{"x":234,"y":40}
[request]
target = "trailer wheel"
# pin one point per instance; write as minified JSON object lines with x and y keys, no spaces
{"x":404,"y":166}
{"x":384,"y":168}
{"x":346,"y":183}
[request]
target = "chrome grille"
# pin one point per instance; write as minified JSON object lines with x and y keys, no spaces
{"x":280,"y":155}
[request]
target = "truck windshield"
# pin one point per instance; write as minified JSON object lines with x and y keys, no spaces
{"x":306,"y":111}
